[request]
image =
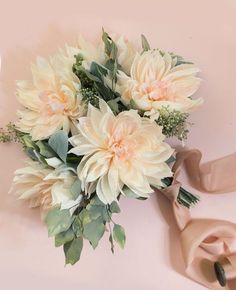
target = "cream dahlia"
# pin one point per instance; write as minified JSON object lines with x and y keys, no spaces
{"x":120,"y":150}
{"x":42,"y":186}
{"x":51,"y":98}
{"x":156,"y":81}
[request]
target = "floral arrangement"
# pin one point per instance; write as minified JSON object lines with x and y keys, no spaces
{"x":94,"y":123}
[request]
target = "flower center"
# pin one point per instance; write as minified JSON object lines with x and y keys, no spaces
{"x":123,"y":149}
{"x":155,"y":91}
{"x":53,"y":103}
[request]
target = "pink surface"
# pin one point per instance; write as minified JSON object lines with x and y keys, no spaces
{"x":202,"y":31}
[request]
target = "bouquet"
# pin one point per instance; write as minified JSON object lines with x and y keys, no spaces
{"x":94,"y":123}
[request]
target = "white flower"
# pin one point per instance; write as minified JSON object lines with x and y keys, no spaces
{"x":120,"y":150}
{"x":51,"y":98}
{"x":42,"y":186}
{"x":157,"y":82}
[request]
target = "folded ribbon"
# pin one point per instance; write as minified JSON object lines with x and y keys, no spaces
{"x":205,"y":241}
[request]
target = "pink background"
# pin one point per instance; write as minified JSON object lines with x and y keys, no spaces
{"x":203,"y":31}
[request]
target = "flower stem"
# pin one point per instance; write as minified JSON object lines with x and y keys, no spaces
{"x":185,"y":197}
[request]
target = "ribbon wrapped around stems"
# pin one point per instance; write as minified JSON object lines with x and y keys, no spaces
{"x":208,"y":245}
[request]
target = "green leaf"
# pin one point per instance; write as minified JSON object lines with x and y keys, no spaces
{"x":31,"y":154}
{"x":129,"y":193}
{"x":27,"y":140}
{"x":114,"y":106}
{"x":76,"y":189}
{"x":105,"y":215}
{"x":89,"y":75}
{"x":119,"y":235}
{"x":107,"y":42}
{"x":96,"y":201}
{"x":98,"y":70}
{"x":64,"y":237}
{"x":145,"y":44}
{"x":171,"y":159}
{"x":77,"y":226}
{"x":45,"y":150}
{"x":58,"y":221}
{"x":84,"y":217}
{"x":95,"y":212}
{"x":93,"y":231}
{"x":114,"y":207}
{"x":73,"y":250}
{"x":59,"y":143}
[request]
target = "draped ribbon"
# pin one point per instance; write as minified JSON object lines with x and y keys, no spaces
{"x":205,"y":241}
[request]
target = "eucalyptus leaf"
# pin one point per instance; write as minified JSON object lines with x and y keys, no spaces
{"x":107,"y":43}
{"x":105,"y":215}
{"x":96,"y":201}
{"x":45,"y":150}
{"x":129,"y":193}
{"x":119,"y":235}
{"x":84,"y":217}
{"x":114,"y":207}
{"x":114,"y":106}
{"x":59,"y":143}
{"x":77,"y":227}
{"x":76,"y":189}
{"x":58,"y":221}
{"x":27,"y":140}
{"x":73,"y":250}
{"x":31,"y":154}
{"x":64,"y":237}
{"x":93,"y":231}
{"x":98,"y":70}
{"x":145,"y":44}
{"x":40,"y":158}
{"x":95,"y":212}
{"x":89,"y":75}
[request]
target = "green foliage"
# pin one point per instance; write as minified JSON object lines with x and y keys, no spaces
{"x":73,"y":250}
{"x":77,"y":226}
{"x":119,"y":235}
{"x":174,"y":123}
{"x":184,"y":197}
{"x":59,"y":143}
{"x":114,"y":207}
{"x":145,"y":44}
{"x":111,"y":51}
{"x":45,"y":150}
{"x":80,"y":72}
{"x":58,"y":221}
{"x":114,"y":105}
{"x":76,"y":188}
{"x":179,"y":59}
{"x":87,"y":222}
{"x":94,"y":230}
{"x":64,"y":237}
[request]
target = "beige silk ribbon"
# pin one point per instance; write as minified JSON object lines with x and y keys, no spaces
{"x":205,"y":241}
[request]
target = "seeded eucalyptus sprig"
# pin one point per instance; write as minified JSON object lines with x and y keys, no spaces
{"x":10,"y":134}
{"x":174,"y":123}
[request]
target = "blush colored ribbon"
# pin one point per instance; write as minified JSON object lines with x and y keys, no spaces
{"x":205,"y":241}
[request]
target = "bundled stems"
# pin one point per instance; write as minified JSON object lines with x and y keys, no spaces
{"x":185,"y":197}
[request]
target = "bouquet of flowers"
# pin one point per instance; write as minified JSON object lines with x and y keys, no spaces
{"x":94,"y":122}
